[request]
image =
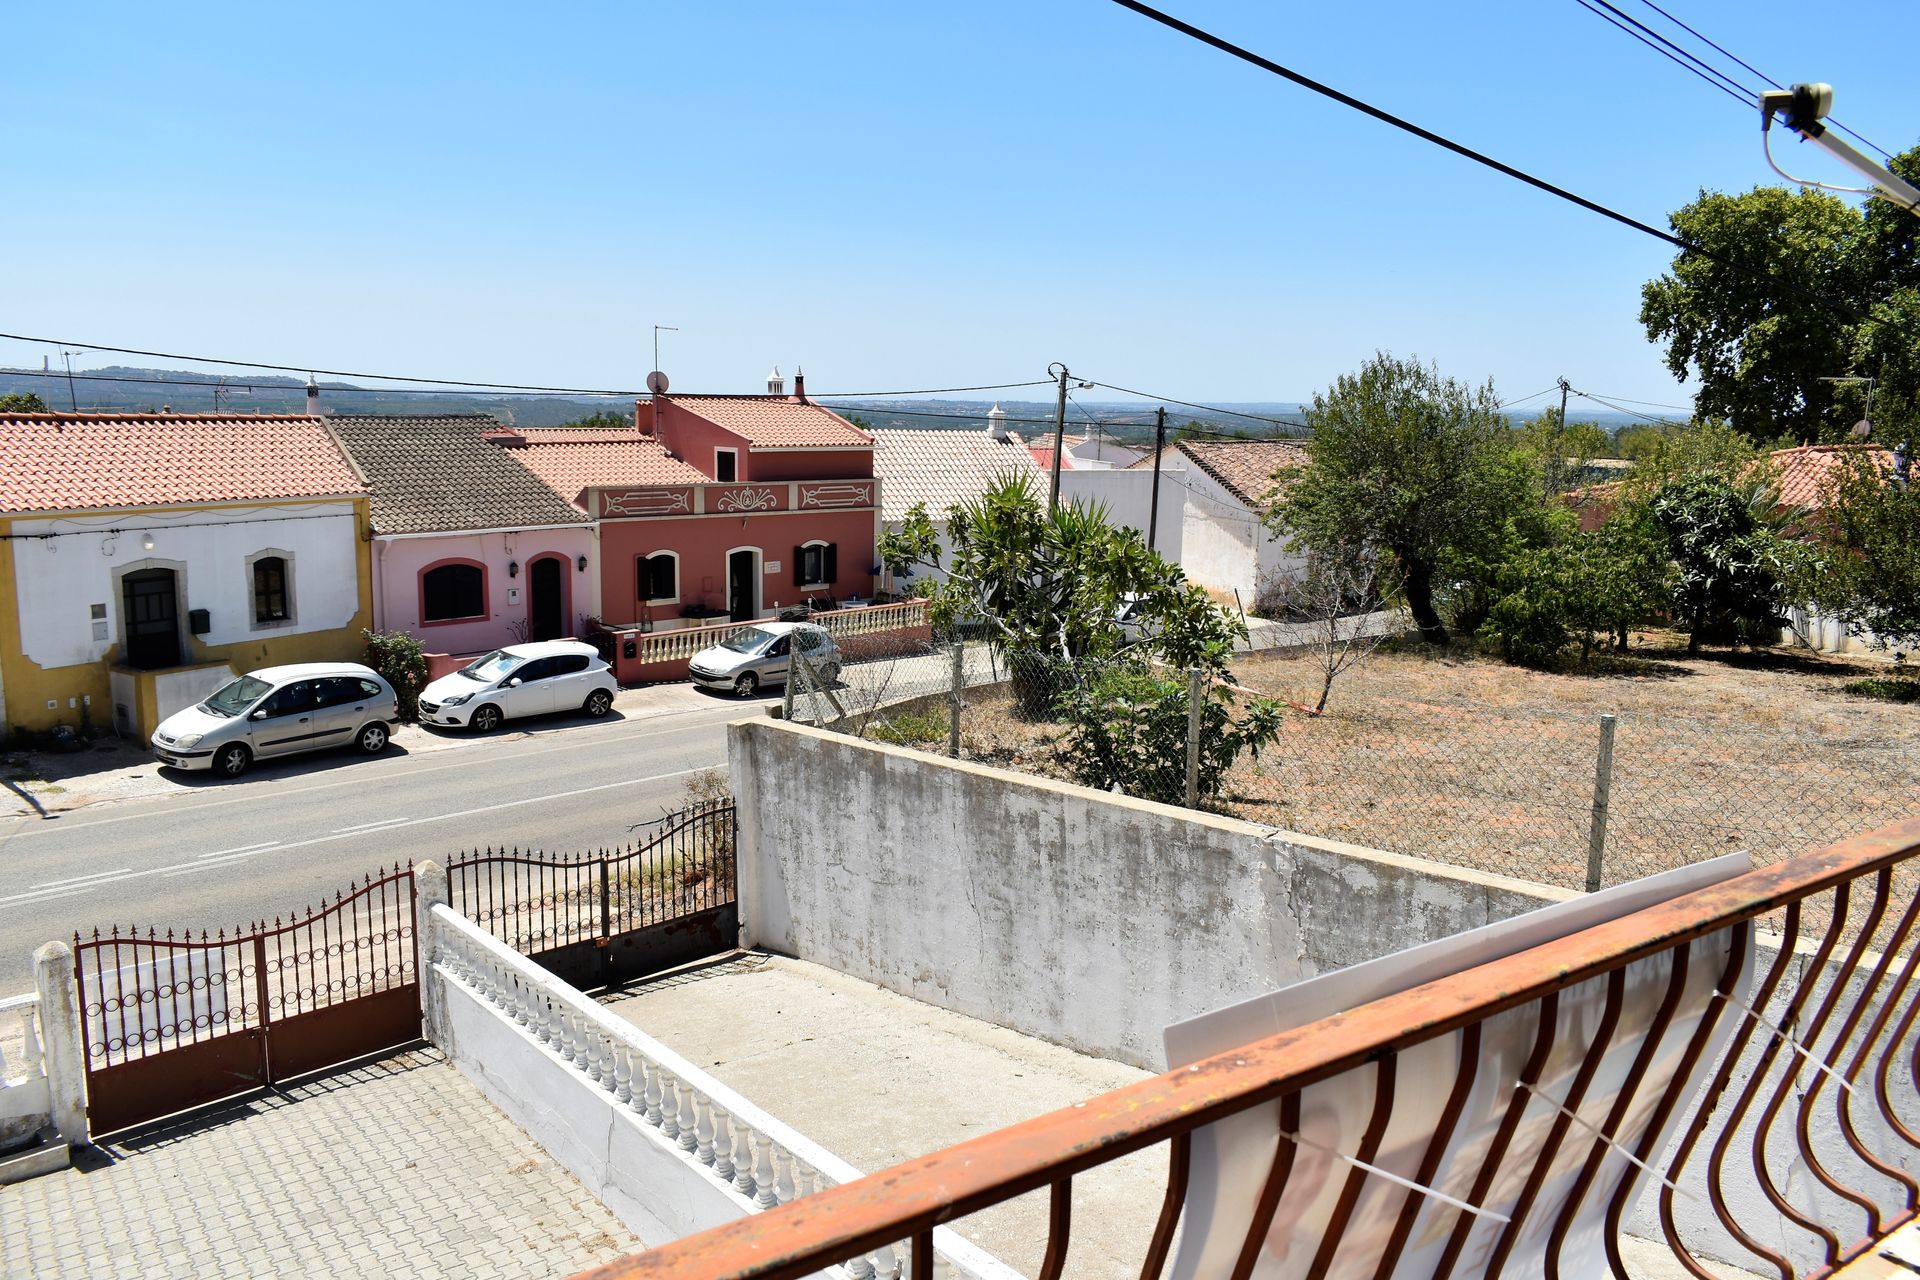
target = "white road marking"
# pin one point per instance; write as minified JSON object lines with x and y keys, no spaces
{"x":41,"y":826}
{"x":245,"y":848}
{"x":368,"y":826}
{"x":209,"y":861}
{"x":98,"y":875}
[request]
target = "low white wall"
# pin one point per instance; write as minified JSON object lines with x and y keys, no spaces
{"x":26,"y":1102}
{"x":665,"y":1146}
{"x":1086,"y":919}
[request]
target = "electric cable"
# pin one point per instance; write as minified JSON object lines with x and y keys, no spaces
{"x":1190,"y":404}
{"x":1698,"y":66}
{"x":1708,"y":41}
{"x":1499,"y":166}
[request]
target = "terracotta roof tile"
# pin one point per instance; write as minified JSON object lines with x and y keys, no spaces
{"x":74,"y":461}
{"x":572,"y":461}
{"x":774,"y":422}
{"x":940,"y":468}
{"x":1245,"y":467}
{"x":439,"y":474}
{"x":1807,"y":473}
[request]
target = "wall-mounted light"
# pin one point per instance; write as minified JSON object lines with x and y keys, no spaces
{"x":582,"y":563}
{"x":513,"y":568}
{"x":146,"y":542}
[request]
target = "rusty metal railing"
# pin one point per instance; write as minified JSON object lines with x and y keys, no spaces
{"x":1820,"y":1078}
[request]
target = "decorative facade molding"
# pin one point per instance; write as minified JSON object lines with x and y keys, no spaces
{"x":646,"y":502}
{"x":748,"y":497}
{"x":820,"y":497}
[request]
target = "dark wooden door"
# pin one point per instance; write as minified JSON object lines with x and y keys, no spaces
{"x":546,"y":612}
{"x":152,"y":613}
{"x":740,"y":601}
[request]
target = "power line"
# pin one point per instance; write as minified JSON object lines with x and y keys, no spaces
{"x":1189,"y":404}
{"x":933,"y":391}
{"x":1478,"y":157}
{"x":290,"y":388}
{"x":1756,"y":71}
{"x":1739,"y":93}
{"x":974,"y":417}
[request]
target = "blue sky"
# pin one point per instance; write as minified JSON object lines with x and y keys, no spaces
{"x":896,"y":195}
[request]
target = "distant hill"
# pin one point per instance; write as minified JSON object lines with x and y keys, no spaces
{"x":132,"y":389}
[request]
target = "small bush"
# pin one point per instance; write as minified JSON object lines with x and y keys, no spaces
{"x":401,"y":660}
{"x":1128,"y":729}
{"x":1884,"y":690}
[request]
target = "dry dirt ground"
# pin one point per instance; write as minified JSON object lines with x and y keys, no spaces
{"x":1459,"y":757}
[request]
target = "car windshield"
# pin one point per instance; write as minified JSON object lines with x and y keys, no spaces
{"x":749,"y":641}
{"x":492,"y":667}
{"x":235,"y":696}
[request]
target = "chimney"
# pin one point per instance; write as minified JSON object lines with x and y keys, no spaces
{"x":997,"y":422}
{"x":799,"y":384}
{"x":639,"y":418}
{"x":776,"y":385}
{"x":313,"y":397}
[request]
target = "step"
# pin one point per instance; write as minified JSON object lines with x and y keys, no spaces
{"x":47,"y":1156}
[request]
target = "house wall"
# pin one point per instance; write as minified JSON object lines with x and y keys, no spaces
{"x":692,"y":438}
{"x":52,"y":650}
{"x":399,"y":561}
{"x":811,"y":464}
{"x":1225,"y":547}
{"x":704,"y":542}
{"x":1087,"y":919}
{"x":1128,"y":496}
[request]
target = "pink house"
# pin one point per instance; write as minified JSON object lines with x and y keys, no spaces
{"x":718,"y":506}
{"x":471,"y":550}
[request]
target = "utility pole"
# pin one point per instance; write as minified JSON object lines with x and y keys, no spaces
{"x":1159,"y":442}
{"x":1059,"y":434}
{"x":73,"y":405}
{"x":1554,"y":463}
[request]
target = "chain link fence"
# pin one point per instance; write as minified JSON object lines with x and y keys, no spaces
{"x":1544,"y":794}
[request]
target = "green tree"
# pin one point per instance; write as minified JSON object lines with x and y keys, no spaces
{"x":1128,"y":729}
{"x":1755,"y":339}
{"x":1729,"y":564}
{"x":1052,"y":582}
{"x":402,"y":660}
{"x":22,"y":402}
{"x":1417,"y":464}
{"x":1560,"y":452}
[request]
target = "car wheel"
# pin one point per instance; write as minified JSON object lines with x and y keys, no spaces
{"x":746,"y":684}
{"x":598,"y":703}
{"x":372,"y":739}
{"x":232,"y":760}
{"x":485,"y":720}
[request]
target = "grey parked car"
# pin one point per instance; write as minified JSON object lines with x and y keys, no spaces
{"x":277,"y":711}
{"x":757,"y":656}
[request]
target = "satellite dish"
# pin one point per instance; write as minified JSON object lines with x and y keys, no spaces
{"x":657,"y":382}
{"x":1861,"y":429}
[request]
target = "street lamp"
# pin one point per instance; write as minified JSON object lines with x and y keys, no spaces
{"x":1804,"y":106}
{"x":1863,"y":428}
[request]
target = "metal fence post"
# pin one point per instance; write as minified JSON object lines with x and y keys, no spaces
{"x":959,"y":682}
{"x":794,"y":668}
{"x":1602,"y":785}
{"x":1196,"y":699}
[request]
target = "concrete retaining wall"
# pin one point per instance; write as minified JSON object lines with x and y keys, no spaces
{"x":1086,"y":919}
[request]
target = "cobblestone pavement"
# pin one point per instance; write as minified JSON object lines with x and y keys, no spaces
{"x":399,"y":1169}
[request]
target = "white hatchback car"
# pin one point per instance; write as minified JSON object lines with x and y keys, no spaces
{"x":521,"y":680}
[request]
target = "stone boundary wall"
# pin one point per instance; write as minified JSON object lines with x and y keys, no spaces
{"x":1084,"y":918}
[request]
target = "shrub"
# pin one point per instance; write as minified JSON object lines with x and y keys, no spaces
{"x":911,"y":728}
{"x":1884,"y":690}
{"x":1128,"y":729}
{"x":402,"y":661}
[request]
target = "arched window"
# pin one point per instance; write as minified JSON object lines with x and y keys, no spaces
{"x":659,"y":578}
{"x":453,"y":592}
{"x":816,"y":564}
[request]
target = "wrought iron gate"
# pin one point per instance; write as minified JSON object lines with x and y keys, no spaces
{"x":170,"y":1023}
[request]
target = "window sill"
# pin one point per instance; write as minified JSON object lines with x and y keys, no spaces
{"x":661,"y":602}
{"x":450,"y":622}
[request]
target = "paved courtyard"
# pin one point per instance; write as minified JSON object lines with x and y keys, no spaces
{"x":397,"y":1169}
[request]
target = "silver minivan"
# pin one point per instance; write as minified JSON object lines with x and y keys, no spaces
{"x":756,"y":656}
{"x":277,"y":711}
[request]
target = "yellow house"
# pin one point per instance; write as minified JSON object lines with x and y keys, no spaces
{"x":145,"y":559}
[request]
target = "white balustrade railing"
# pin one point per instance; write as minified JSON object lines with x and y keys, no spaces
{"x":679,"y":645}
{"x":24,"y":1099}
{"x":762,"y":1161}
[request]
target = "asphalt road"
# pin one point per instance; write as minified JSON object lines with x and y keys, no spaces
{"x":290,"y":833}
